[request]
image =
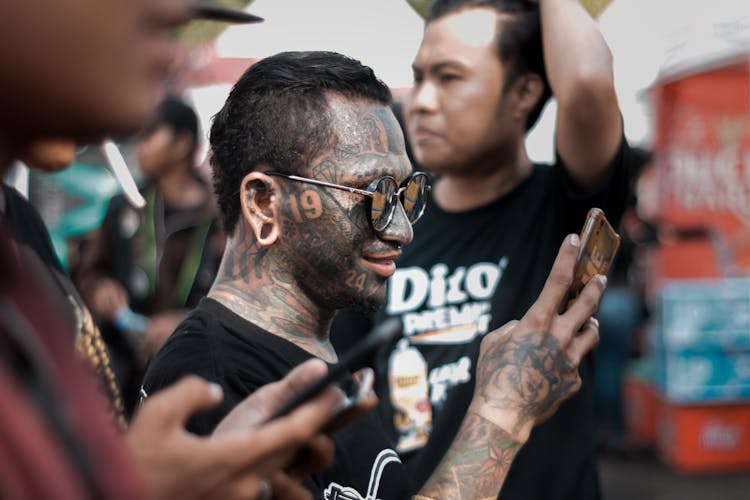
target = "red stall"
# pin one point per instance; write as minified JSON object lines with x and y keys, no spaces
{"x":700,"y":343}
{"x":702,"y":146}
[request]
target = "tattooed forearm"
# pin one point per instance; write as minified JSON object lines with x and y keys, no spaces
{"x":476,"y":464}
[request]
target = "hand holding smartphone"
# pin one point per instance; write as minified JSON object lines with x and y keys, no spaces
{"x":599,"y":245}
{"x":352,"y":361}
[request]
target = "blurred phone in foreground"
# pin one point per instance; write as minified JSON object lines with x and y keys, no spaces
{"x":352,"y":361}
{"x":599,"y":245}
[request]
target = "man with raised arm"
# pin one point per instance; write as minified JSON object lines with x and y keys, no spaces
{"x":482,"y":74}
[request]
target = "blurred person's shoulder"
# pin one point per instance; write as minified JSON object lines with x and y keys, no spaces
{"x":28,"y":228}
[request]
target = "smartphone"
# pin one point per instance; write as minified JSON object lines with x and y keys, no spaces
{"x":352,"y":361}
{"x":599,"y":245}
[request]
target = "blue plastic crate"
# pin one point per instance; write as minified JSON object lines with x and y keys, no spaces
{"x":711,"y":376}
{"x":705,"y":314}
{"x":700,"y":344}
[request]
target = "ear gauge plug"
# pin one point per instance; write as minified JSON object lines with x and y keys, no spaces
{"x":268,"y":233}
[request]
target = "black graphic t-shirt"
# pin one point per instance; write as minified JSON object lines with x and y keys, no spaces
{"x":464,"y":275}
{"x":220,"y":346}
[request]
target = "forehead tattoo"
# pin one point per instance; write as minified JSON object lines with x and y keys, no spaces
{"x":362,"y":129}
{"x":367,"y":127}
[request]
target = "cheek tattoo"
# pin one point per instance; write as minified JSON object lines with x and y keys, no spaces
{"x":356,"y":280}
{"x":309,"y":205}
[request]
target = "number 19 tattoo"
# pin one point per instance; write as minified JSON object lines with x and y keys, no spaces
{"x":309,"y":203}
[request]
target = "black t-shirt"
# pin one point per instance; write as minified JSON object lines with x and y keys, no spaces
{"x":221,"y":347}
{"x":466,"y":274}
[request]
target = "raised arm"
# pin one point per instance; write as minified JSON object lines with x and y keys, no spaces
{"x":526,"y":369}
{"x":579,"y":69}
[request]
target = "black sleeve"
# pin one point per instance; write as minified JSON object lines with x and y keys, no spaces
{"x":612,"y":196}
{"x":186,"y":353}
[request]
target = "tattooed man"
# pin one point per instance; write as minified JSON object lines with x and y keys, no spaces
{"x":317,"y":197}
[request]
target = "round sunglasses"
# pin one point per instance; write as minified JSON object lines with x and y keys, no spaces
{"x":382,"y":195}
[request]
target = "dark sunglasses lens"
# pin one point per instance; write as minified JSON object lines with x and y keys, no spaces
{"x":414,"y":197}
{"x":382,"y":203}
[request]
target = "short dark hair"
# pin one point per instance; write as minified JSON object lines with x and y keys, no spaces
{"x":519,"y":45}
{"x":174,"y":113}
{"x":277,"y":114}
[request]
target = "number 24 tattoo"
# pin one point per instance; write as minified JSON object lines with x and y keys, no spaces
{"x":356,"y":280}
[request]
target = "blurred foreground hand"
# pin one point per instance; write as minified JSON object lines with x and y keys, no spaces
{"x":242,"y":459}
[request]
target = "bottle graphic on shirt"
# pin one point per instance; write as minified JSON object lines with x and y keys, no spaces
{"x":409,"y":393}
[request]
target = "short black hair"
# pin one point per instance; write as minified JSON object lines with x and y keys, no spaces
{"x":519,"y":45}
{"x":277,"y":114}
{"x":174,"y":113}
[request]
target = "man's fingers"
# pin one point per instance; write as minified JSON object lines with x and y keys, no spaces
{"x":261,"y":404}
{"x":559,"y":280}
{"x":284,"y":487}
{"x":241,"y":487}
{"x":274,"y":443}
{"x":294,"y":383}
{"x":505,"y":329}
{"x":313,"y":457}
{"x":495,"y":336}
{"x":309,"y":418}
{"x":359,"y":402}
{"x":361,"y":407}
{"x":584,"y":342}
{"x":303,"y":375}
{"x":585,"y":305}
{"x":114,"y":292}
{"x":182,"y":400}
{"x":120,"y":297}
